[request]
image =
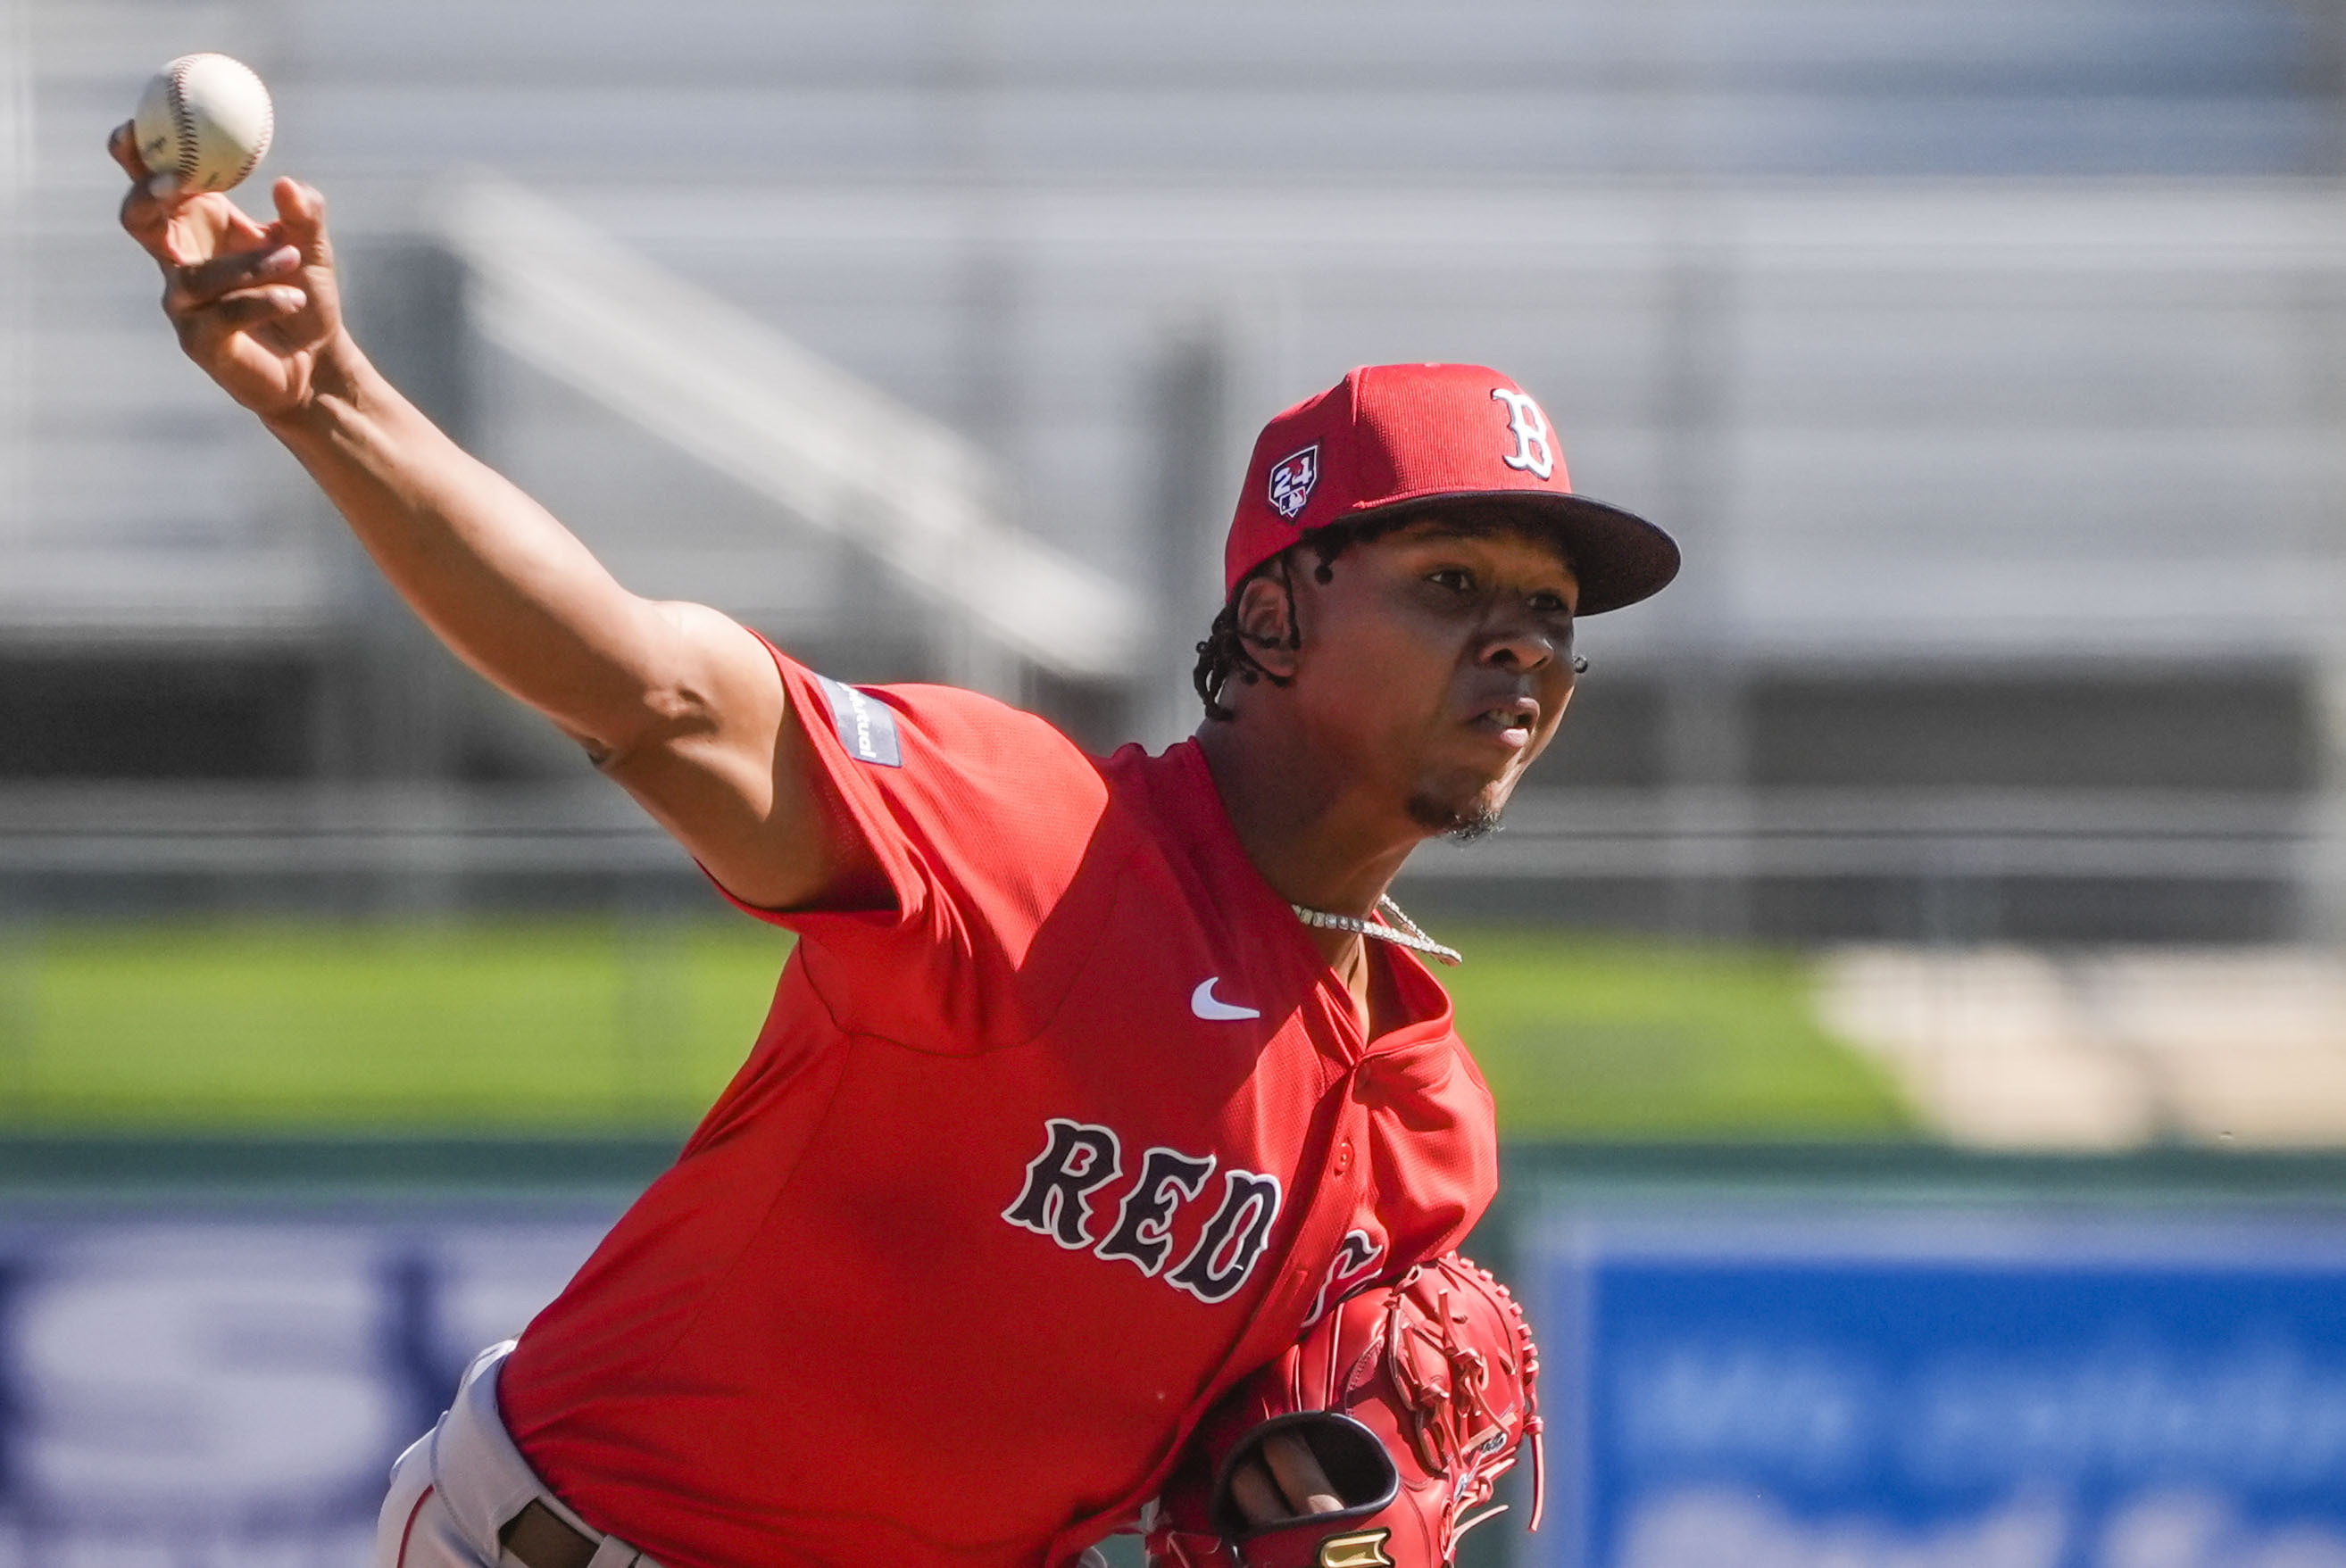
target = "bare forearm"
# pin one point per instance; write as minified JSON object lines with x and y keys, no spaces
{"x":494,"y":575}
{"x":681,"y":706}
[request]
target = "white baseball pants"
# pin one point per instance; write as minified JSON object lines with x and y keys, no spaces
{"x":463,"y":1481}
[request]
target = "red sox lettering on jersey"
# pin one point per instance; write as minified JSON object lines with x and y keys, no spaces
{"x":1079,"y":1158}
{"x":1354,"y":1267}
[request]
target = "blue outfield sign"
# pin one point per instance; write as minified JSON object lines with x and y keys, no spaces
{"x":217,"y":1392}
{"x":1922,"y":1394}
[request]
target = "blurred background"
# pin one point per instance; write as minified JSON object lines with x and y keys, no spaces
{"x":1915,"y":984}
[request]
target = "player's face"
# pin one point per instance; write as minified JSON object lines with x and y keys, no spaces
{"x":1438,"y":659}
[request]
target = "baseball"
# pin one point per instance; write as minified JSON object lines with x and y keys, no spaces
{"x":206,"y":119}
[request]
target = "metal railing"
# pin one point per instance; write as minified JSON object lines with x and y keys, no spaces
{"x":2124,"y":834}
{"x":832,"y":452}
{"x":1550,"y":834}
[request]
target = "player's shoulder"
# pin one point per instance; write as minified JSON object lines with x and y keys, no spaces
{"x":958,"y":712}
{"x":984,"y":757}
{"x":1171,"y":786}
{"x":961,"y":706}
{"x":956,"y":728}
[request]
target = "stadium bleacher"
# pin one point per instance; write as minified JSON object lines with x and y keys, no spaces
{"x":1981,"y":355}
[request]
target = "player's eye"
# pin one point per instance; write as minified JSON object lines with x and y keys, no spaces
{"x":1458,"y":579}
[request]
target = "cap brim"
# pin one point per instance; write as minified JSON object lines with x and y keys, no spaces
{"x":1618,"y":557}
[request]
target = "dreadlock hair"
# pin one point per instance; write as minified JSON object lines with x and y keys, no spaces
{"x":1225,"y":654}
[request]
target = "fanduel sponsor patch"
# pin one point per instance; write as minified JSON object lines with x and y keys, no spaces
{"x":867,"y":726}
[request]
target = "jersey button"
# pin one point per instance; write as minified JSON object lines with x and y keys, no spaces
{"x":1343,"y":1156}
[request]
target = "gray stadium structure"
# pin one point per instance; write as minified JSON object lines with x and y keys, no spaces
{"x":1986,"y":356}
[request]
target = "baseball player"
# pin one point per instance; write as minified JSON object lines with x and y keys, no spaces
{"x":1089,"y":1085}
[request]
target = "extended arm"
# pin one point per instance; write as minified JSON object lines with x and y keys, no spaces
{"x":679,"y":704}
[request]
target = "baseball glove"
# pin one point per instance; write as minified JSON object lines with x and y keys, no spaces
{"x":1415,"y":1398}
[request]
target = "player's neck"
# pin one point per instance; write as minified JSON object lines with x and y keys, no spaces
{"x":1316,"y":842}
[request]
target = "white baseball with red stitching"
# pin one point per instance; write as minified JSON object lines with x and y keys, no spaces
{"x":206,"y":119}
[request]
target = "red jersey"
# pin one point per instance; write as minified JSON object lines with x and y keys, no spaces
{"x":1021,"y":1174}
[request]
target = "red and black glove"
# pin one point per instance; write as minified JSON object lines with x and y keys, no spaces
{"x":1415,"y":1398}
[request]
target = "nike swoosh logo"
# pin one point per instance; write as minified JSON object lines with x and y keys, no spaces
{"x":1203,"y":1002}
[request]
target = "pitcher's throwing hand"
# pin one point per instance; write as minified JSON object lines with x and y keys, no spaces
{"x":254,"y":304}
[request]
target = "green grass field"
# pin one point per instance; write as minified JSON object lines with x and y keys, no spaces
{"x":584,"y":1026}
{"x":1586,"y":1038}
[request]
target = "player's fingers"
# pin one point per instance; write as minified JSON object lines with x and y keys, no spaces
{"x":1258,"y":1498}
{"x":190,"y":288}
{"x":147,"y":211}
{"x":1298,"y":1474}
{"x":202,"y":329}
{"x":164,"y":186}
{"x":301,"y":219}
{"x":207,"y":226}
{"x":122,"y":145}
{"x":239,"y":229}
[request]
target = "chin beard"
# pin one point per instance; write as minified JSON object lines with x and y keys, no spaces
{"x":1441,"y":818}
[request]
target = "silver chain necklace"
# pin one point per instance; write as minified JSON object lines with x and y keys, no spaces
{"x":1404,"y":932}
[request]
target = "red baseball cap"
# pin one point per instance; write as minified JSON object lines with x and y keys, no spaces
{"x":1426,"y":436}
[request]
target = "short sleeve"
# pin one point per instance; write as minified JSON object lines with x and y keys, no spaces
{"x":986,"y":823}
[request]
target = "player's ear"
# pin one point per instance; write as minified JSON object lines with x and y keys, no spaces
{"x":1266,"y":620}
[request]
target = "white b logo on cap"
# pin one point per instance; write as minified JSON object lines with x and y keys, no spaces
{"x":1533,"y":451}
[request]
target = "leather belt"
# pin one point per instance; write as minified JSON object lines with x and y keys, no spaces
{"x":537,"y":1538}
